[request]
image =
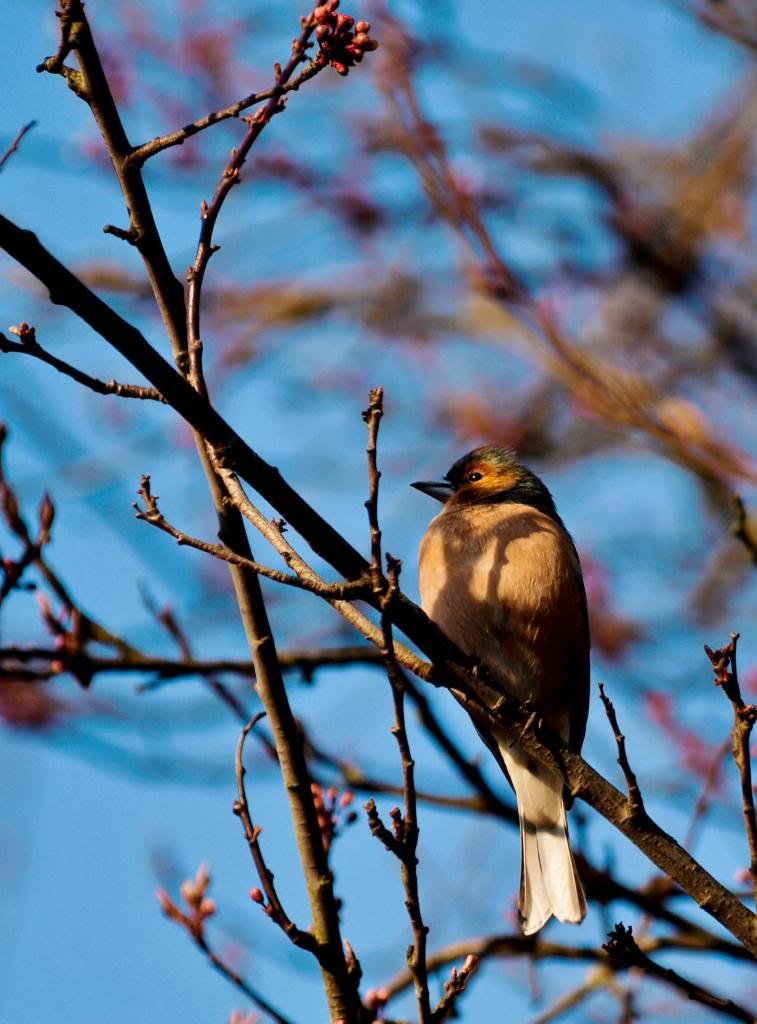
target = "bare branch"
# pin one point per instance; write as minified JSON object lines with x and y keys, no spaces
{"x":623,"y":951}
{"x":231,"y":177}
{"x":635,"y":801}
{"x":151,"y":514}
{"x":538,"y":949}
{"x":454,"y":988}
{"x":273,"y":907}
{"x":707,"y":795}
{"x":16,"y":143}
{"x":29,"y":346}
{"x":199,"y":909}
{"x":284,"y":84}
{"x":723,"y":661}
{"x":405,"y":829}
{"x":304,"y":660}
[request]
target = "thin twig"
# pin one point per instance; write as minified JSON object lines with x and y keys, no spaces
{"x":151,"y":514}
{"x":454,"y":988}
{"x":273,"y":907}
{"x":193,"y":916}
{"x":707,"y":794}
{"x":635,"y":801}
{"x":537,"y":949}
{"x":623,"y":951}
{"x":405,"y":828}
{"x":273,"y":531}
{"x":244,"y":986}
{"x":29,"y":346}
{"x":16,"y":143}
{"x":723,"y":661}
{"x":168,"y":620}
{"x":231,"y":177}
{"x":572,"y":998}
{"x":304,"y":660}
{"x":140,"y":154}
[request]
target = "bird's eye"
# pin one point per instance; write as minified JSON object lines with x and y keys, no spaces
{"x":471,"y":478}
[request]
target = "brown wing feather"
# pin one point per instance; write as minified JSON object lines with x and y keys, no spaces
{"x":504,"y":582}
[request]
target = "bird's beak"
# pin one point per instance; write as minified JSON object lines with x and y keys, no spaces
{"x":439,"y":489}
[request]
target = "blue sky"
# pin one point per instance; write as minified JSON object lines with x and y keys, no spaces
{"x":80,"y":830}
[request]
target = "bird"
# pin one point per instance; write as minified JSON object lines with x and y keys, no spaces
{"x":499,"y":574}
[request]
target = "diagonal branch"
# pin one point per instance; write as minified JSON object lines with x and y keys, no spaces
{"x":140,"y":154}
{"x":623,"y":951}
{"x":151,"y":514}
{"x":29,"y":346}
{"x":454,"y":988}
{"x":13,"y":148}
{"x":193,"y":917}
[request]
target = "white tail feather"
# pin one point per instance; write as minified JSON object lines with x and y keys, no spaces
{"x":549,"y":880}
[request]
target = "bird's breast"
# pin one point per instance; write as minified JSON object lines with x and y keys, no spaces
{"x":503,"y":582}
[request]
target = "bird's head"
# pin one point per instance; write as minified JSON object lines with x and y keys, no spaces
{"x":489,"y":475}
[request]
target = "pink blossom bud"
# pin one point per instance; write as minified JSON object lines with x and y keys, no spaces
{"x":363,"y":26}
{"x":208,"y":907}
{"x":164,"y":899}
{"x":344,"y":23}
{"x":188,"y":892}
{"x":46,"y":512}
{"x":256,"y":895}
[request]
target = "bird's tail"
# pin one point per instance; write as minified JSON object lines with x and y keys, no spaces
{"x":549,"y":882}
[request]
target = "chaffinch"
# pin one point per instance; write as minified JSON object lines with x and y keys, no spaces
{"x":499,"y":574}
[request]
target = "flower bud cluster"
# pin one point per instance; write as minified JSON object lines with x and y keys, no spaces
{"x":194,"y":894}
{"x":343,"y":42}
{"x":332,"y":810}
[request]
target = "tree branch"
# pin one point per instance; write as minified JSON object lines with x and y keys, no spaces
{"x":623,"y":951}
{"x":453,"y":989}
{"x":537,"y":948}
{"x":635,"y":801}
{"x":199,"y":908}
{"x":273,"y":908}
{"x":405,"y":829}
{"x":723,"y":661}
{"x":29,"y":346}
{"x":151,"y":514}
{"x":140,"y":154}
{"x":16,"y":143}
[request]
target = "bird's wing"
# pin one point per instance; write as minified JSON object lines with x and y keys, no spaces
{"x":580,"y":709}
